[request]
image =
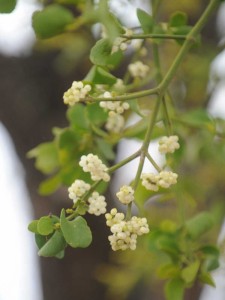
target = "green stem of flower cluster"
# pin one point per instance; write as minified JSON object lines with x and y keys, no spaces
{"x":154,"y":36}
{"x":189,"y":40}
{"x":124,"y":161}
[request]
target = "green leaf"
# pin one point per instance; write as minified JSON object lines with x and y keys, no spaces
{"x":168,"y":271}
{"x":51,"y":21}
{"x":105,"y":149}
{"x":211,"y":257}
{"x":45,"y":226}
{"x":53,"y":246}
{"x":178,"y":19}
{"x":41,"y":240}
{"x":49,"y":185}
{"x":96,"y":114}
{"x":33,"y":226}
{"x":199,"y":224}
{"x":206,"y":278}
{"x":174,"y":289}
{"x":99,"y":75}
{"x":198,"y":118}
{"x":101,"y":54}
{"x":7,"y":6}
{"x":189,"y":273}
{"x":145,"y":20}
{"x":76,"y":232}
{"x":46,"y":155}
{"x":77,"y":116}
{"x":167,"y":243}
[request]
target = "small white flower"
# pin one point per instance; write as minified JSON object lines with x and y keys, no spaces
{"x":150,"y":181}
{"x":97,"y":204}
{"x":168,"y":144}
{"x":121,"y":43}
{"x":115,"y":122}
{"x":78,"y":189}
{"x":91,"y":163}
{"x":125,"y":233}
{"x":126,"y":194}
{"x":78,"y":91}
{"x":167,"y":178}
{"x":117,"y":106}
{"x":138,"y":69}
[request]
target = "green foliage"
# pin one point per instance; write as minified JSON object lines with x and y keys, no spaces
{"x":99,"y":75}
{"x":76,"y":232}
{"x":51,"y":21}
{"x":7,"y":6}
{"x":53,"y":246}
{"x":101,"y":54}
{"x":145,"y":20}
{"x":182,"y":218}
{"x":174,"y":289}
{"x":199,"y":224}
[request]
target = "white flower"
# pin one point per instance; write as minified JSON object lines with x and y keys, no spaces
{"x":78,"y":189}
{"x":164,"y":179}
{"x":125,"y":233}
{"x":77,"y":92}
{"x":168,"y":144}
{"x":97,"y":204}
{"x":117,"y":106}
{"x":167,"y":178}
{"x":115,"y":122}
{"x":150,"y":181}
{"x":91,"y":163}
{"x":138,"y":69}
{"x":126,"y":194}
{"x":121,"y":43}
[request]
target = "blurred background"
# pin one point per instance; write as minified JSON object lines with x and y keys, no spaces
{"x":34,"y":76}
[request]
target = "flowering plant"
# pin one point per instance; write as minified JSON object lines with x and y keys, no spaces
{"x":82,"y":156}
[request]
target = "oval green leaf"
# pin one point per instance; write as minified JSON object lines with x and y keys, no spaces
{"x":145,"y":20}
{"x":199,"y":224}
{"x":53,"y":246}
{"x":45,"y":225}
{"x":189,"y":273}
{"x":174,"y":289}
{"x":51,"y":21}
{"x":76,"y":233}
{"x":33,"y":226}
{"x":7,"y":6}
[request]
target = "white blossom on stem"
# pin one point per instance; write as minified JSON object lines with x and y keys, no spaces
{"x":138,"y":69}
{"x":168,"y":144}
{"x":92,"y":164}
{"x":97,"y":204}
{"x":78,"y":189}
{"x":125,"y":233}
{"x":125,"y":194}
{"x":78,"y":91}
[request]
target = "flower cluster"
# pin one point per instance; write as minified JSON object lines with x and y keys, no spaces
{"x":168,"y":144}
{"x":117,"y":106}
{"x":115,"y":121}
{"x":77,"y":92}
{"x":92,"y":164}
{"x":78,"y":189}
{"x":164,"y":179}
{"x":97,"y":204}
{"x":121,"y":43}
{"x":125,"y":194}
{"x":138,"y":69}
{"x":125,"y":233}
